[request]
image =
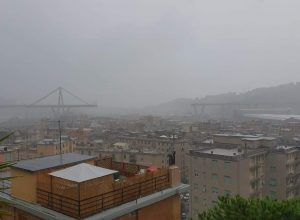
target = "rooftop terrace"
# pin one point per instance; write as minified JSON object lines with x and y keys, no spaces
{"x":79,"y":193}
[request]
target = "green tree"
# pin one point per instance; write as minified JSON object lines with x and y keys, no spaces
{"x":238,"y":208}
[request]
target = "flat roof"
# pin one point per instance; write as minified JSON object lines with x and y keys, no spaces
{"x":50,"y":141}
{"x":238,"y":135}
{"x":223,"y":152}
{"x":260,"y":139}
{"x":43,"y":163}
{"x":285,"y":147}
{"x":82,"y":172}
{"x":122,"y":144}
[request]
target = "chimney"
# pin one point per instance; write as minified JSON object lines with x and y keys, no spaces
{"x":174,"y":176}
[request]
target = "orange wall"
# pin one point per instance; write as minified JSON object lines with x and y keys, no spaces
{"x":24,"y":185}
{"x":17,"y":214}
{"x":168,"y":209}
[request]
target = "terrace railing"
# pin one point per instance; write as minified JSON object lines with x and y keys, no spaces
{"x":89,"y":206}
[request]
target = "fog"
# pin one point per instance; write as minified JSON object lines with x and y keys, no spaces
{"x":132,"y":53}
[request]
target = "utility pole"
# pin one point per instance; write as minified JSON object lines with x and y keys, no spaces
{"x":59,"y":129}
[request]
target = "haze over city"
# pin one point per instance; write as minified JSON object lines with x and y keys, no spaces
{"x":149,"y":109}
{"x":136,"y":53}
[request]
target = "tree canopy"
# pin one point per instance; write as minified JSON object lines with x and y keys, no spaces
{"x":258,"y":208}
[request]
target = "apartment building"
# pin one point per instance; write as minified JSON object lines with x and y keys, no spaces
{"x":160,"y":144}
{"x":49,"y":147}
{"x":209,"y":126}
{"x":73,"y":186}
{"x":283,"y":172}
{"x":182,"y":158}
{"x":89,"y":148}
{"x":248,"y":165}
{"x":142,"y":157}
{"x":219,"y":171}
{"x":240,"y":139}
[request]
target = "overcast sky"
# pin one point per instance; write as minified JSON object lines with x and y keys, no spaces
{"x":139,"y":52}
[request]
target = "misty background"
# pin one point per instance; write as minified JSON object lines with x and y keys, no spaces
{"x":136,"y":53}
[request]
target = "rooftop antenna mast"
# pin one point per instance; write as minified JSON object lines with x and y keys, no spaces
{"x":59,"y":129}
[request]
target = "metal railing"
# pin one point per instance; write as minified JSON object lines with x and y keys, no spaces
{"x":89,"y":206}
{"x":5,"y":186}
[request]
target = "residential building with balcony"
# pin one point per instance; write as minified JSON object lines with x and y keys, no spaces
{"x":283,"y":172}
{"x":219,"y":171}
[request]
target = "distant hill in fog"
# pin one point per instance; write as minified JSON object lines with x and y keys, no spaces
{"x":281,"y":95}
{"x":180,"y":106}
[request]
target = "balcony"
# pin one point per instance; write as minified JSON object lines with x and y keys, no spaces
{"x":254,"y":166}
{"x":292,"y":162}
{"x":292,"y":174}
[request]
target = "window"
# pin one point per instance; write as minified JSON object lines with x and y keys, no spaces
{"x":215,"y":190}
{"x":196,"y":199}
{"x":227,"y":180}
{"x":214,"y":164}
{"x":273,"y":194}
{"x":273,"y":169}
{"x":195,"y":186}
{"x":204,"y":188}
{"x":227,"y":165}
{"x":227,"y":192}
{"x":196,"y":173}
{"x":273,"y":182}
{"x":215,"y":177}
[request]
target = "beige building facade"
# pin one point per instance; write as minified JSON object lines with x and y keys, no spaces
{"x":146,"y":158}
{"x":216,"y":171}
{"x":254,"y":171}
{"x":50,"y":147}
